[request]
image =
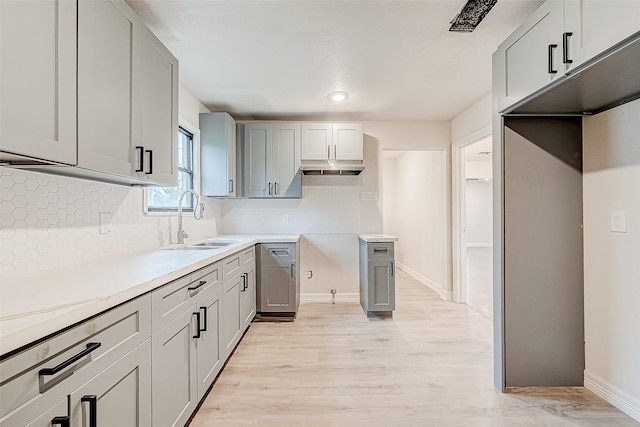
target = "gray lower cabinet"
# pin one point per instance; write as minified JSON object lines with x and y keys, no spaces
{"x":279,"y":282}
{"x":377,"y":278}
{"x":119,"y":395}
{"x":208,"y":352}
{"x":230,"y":331}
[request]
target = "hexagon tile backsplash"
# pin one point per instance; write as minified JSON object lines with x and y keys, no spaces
{"x":48,"y":221}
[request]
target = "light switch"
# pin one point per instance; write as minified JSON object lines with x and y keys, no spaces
{"x":285,"y":218}
{"x":105,"y":222}
{"x":618,"y":222}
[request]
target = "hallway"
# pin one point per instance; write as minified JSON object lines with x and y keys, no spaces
{"x":431,"y":365}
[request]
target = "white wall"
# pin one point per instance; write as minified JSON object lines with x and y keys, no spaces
{"x":612,"y":260}
{"x":473,"y":119}
{"x":418,"y":215}
{"x":48,"y":220}
{"x":479,"y":212}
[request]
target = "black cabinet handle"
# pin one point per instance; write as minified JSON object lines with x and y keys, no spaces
{"x":551,"y":49}
{"x":565,"y":48}
{"x":291,"y":267}
{"x":197,"y":314}
{"x":205,"y":319}
{"x":244,"y":282}
{"x":392,"y":268}
{"x":140,"y":150}
{"x":60,"y":421}
{"x":275,"y":188}
{"x":93,"y":408}
{"x":52,"y":371}
{"x":269,"y":188}
{"x":150,"y":162}
{"x":200,"y":284}
{"x":230,"y":186}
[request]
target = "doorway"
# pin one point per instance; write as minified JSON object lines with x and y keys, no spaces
{"x":473,"y":224}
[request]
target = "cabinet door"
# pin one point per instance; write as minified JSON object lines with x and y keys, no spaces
{"x":38,"y":79}
{"x":44,"y":420}
{"x":257,"y":160}
{"x":381,"y":285}
{"x":278,"y":288}
{"x":159,"y":111}
{"x":120,"y":395}
{"x":285,"y":160}
{"x":230,"y":331}
{"x":597,"y":25}
{"x":218,"y":154}
{"x":208,"y":351}
{"x":526,"y":59}
{"x":317,"y":139}
{"x":248,"y":298}
{"x":108,"y":115}
{"x":347,"y":141}
{"x":175,"y":387}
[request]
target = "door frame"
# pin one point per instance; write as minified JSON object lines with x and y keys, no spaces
{"x":458,"y":208}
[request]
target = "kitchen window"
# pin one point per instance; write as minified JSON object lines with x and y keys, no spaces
{"x":165,"y":199}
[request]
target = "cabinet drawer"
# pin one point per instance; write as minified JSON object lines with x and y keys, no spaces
{"x":278,"y":253}
{"x":380,"y":251}
{"x":231,"y":266}
{"x":171,"y":300}
{"x":248,"y":257}
{"x":70,"y":358}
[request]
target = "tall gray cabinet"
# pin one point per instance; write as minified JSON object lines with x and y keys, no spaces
{"x":278,"y":290}
{"x":377,"y":274}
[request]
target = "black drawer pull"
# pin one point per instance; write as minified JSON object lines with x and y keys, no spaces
{"x":140,"y":150}
{"x":551,"y":49}
{"x":93,"y":408}
{"x":205,"y":319}
{"x":565,"y":48}
{"x":52,"y":371}
{"x":381,"y":250}
{"x":200,"y":284}
{"x":60,"y":421}
{"x":197,"y":314}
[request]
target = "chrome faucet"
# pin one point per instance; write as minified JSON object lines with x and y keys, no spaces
{"x":181,"y":233}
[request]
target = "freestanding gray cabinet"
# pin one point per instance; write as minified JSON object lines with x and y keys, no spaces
{"x":377,"y":275}
{"x":278,"y":290}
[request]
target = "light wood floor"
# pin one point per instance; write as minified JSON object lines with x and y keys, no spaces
{"x":431,"y":365}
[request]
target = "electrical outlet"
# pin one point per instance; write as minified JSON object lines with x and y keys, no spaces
{"x":369,"y":196}
{"x":285,"y":218}
{"x":618,"y":222}
{"x":105,"y":222}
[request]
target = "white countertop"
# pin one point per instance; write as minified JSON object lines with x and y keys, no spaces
{"x":35,"y":305}
{"x":378,"y":238}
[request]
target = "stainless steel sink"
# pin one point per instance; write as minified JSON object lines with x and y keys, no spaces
{"x":192,"y":248}
{"x":212,"y":244}
{"x":206,"y":245}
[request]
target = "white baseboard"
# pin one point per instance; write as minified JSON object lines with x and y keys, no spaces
{"x":613,"y":395}
{"x":479,"y":245}
{"x":444,"y":294}
{"x":328,"y":298}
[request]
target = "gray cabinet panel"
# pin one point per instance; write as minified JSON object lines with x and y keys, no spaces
{"x":377,"y":278}
{"x":278,"y":286}
{"x":218,"y":154}
{"x":230,"y":331}
{"x":208,"y":351}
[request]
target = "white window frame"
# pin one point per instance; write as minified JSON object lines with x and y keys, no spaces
{"x":195,"y":131}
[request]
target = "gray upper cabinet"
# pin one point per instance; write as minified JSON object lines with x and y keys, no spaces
{"x":556,"y":39}
{"x":93,"y":88}
{"x":272,"y":160}
{"x":218,"y":155}
{"x":109,"y":42}
{"x":159,"y":111}
{"x":38,"y":80}
{"x":332,"y":141}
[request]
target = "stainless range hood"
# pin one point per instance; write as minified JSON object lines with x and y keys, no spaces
{"x":331,"y":169}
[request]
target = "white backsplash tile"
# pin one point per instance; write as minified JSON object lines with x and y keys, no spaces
{"x":48,"y":220}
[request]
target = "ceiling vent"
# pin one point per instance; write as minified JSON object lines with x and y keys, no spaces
{"x":471,"y":14}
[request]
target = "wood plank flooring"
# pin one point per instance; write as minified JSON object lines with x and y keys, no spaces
{"x":431,"y":365}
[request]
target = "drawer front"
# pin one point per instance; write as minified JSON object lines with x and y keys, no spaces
{"x":279,"y":253}
{"x":74,"y":357}
{"x":169,"y":301}
{"x":380,"y":251}
{"x":248,"y":258}
{"x":231,"y":266}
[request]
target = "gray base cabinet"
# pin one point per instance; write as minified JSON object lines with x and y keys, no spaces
{"x":377,"y":278}
{"x":279,"y":282}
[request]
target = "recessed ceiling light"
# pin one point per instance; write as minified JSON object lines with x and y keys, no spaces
{"x":338,"y":96}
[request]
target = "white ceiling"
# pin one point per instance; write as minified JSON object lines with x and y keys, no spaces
{"x":281,"y":59}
